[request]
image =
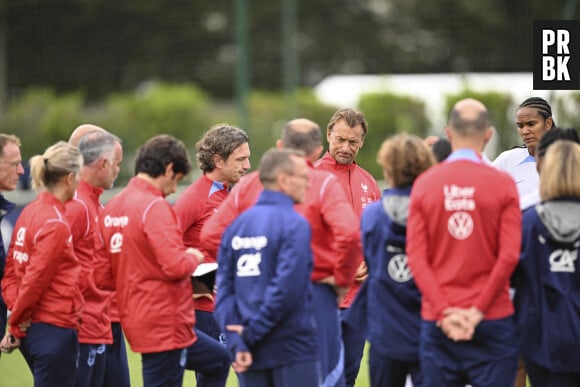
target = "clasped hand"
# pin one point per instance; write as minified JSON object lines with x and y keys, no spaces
{"x":459,"y":324}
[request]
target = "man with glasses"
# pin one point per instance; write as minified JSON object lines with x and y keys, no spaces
{"x":10,"y":171}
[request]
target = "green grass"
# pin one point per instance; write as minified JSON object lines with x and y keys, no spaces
{"x":15,"y":373}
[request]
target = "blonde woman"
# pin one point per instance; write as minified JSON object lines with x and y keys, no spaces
{"x":547,"y":280}
{"x":40,"y":284}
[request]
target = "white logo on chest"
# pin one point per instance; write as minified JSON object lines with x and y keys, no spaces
{"x":563,"y":261}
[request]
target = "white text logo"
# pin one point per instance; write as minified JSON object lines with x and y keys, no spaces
{"x":563,"y":261}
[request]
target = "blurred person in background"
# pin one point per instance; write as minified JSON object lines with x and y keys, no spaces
{"x":335,"y":238}
{"x":533,"y":197}
{"x":345,"y":133}
{"x":102,"y":155}
{"x":40,"y":285}
{"x":10,"y":172}
{"x":389,"y":302}
{"x":547,"y":280}
{"x":223,"y":155}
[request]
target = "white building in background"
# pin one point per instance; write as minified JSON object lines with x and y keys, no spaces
{"x":346,"y":90}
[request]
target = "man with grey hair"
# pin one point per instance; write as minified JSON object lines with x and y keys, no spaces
{"x":223,"y":155}
{"x":10,"y":171}
{"x":102,"y":155}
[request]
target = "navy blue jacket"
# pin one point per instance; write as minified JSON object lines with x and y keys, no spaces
{"x":389,"y":301}
{"x":263,"y":283}
{"x":547,"y":283}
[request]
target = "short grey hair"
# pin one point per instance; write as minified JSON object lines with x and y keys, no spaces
{"x":96,"y":145}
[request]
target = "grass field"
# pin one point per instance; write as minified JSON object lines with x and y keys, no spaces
{"x":15,"y":373}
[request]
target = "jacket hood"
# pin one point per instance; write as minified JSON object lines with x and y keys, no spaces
{"x":396,"y":205}
{"x":561,"y":218}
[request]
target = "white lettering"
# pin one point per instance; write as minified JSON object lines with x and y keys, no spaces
{"x":563,"y":40}
{"x":563,"y":261}
{"x":20,"y":256}
{"x":20,"y":234}
{"x":548,"y":68}
{"x":249,"y":265}
{"x":257,"y":243}
{"x":120,"y":221}
{"x":548,"y":39}
{"x":563,"y":74}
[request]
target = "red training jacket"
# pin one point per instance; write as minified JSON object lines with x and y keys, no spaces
{"x":41,"y":279}
{"x":150,"y":269}
{"x":463,"y":238}
{"x":83,"y":216}
{"x":361,"y":190}
{"x":193,"y":208}
{"x":335,"y":228}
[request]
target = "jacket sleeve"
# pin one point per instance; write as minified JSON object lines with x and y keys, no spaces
{"x":226,"y":311}
{"x":292,"y":276}
{"x":342,"y":220}
{"x":418,"y":258}
{"x":103,"y":271}
{"x":165,"y":239}
{"x":49,"y":243}
{"x":212,"y":230}
{"x":78,"y":219}
{"x":9,"y":283}
{"x":510,"y":237}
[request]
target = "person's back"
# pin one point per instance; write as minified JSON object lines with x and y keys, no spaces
{"x":547,"y":283}
{"x":463,"y":240}
{"x":265,"y":299}
{"x":263,"y":250}
{"x":474,"y":204}
{"x":144,"y":270}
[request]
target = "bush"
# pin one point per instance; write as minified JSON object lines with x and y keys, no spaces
{"x":566,"y":110}
{"x":388,"y":114}
{"x":40,"y":118}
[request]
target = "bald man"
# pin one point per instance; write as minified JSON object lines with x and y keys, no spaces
{"x":335,"y":239}
{"x":81,"y":130}
{"x":463,"y":242}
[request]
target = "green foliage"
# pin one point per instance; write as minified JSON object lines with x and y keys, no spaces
{"x":500,"y":107}
{"x":41,"y":118}
{"x":179,"y":110}
{"x":267,"y":109}
{"x":566,"y":111}
{"x":388,"y":114}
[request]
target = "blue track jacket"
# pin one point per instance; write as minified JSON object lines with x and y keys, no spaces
{"x":263,"y":283}
{"x":547,"y":283}
{"x":389,"y":301}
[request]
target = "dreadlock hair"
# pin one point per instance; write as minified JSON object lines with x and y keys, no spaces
{"x":541,"y":105}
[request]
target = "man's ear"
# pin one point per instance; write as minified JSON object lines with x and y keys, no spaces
{"x":218,"y":161}
{"x":448,"y":133}
{"x":169,"y":170}
{"x":489,"y":134}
